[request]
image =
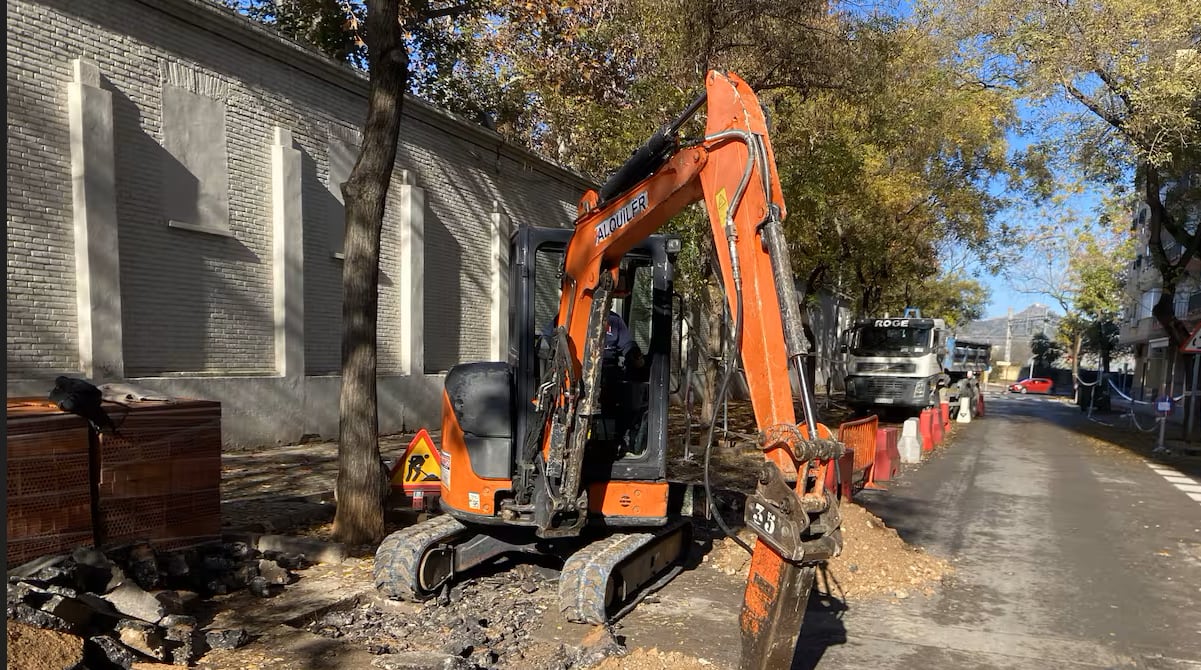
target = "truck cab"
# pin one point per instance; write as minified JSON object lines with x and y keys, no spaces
{"x":895,"y":362}
{"x":902,"y":362}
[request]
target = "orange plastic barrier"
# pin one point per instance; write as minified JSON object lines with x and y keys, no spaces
{"x":888,"y":458}
{"x":926,"y":428}
{"x":860,"y":435}
{"x":937,"y":428}
{"x":843,"y":487}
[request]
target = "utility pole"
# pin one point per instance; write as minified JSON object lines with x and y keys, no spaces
{"x":1009,"y":334}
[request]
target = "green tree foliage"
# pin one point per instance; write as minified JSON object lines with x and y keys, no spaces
{"x":1045,"y":350}
{"x":332,"y":26}
{"x":953,"y":297}
{"x":1130,"y":73}
{"x":886,"y":174}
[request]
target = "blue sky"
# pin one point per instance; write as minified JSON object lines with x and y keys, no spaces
{"x":1005,"y":292}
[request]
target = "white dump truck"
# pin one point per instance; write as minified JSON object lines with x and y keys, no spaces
{"x":902,"y":362}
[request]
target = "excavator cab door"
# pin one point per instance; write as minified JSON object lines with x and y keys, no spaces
{"x":628,"y":438}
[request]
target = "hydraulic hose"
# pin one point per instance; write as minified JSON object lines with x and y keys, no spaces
{"x":721,"y":394}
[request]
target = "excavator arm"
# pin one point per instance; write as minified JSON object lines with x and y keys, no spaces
{"x":732,"y":168}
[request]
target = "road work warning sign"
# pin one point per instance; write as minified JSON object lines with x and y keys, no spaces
{"x":420,"y":464}
{"x":1193,"y":346}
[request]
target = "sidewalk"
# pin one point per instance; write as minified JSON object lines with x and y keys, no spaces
{"x":277,"y":487}
{"x":1146,"y":413}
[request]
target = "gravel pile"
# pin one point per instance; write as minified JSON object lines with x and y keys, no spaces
{"x":486,"y":622}
{"x":135,"y":604}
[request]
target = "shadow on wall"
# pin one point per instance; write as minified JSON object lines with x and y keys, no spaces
{"x":445,"y":313}
{"x":322,"y":272}
{"x":324,"y":225}
{"x":169,"y":285}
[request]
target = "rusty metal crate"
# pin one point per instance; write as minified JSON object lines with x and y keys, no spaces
{"x":160,"y":476}
{"x":159,"y":518}
{"x":49,"y":502}
{"x":158,"y":479}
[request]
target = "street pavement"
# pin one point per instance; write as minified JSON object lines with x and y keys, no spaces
{"x":1068,"y":552}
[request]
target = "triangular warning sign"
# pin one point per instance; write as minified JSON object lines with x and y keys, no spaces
{"x":1193,"y":345}
{"x":419,"y":464}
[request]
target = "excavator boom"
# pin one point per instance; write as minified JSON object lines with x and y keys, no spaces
{"x":732,"y":168}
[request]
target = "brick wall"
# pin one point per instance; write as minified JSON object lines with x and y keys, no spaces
{"x":42,"y":331}
{"x":199,"y":303}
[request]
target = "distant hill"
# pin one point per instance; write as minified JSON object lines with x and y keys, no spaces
{"x":1036,"y":318}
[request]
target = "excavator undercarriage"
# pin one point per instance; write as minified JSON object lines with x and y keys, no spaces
{"x":604,"y":574}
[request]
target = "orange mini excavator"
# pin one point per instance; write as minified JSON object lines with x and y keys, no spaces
{"x":562,"y":449}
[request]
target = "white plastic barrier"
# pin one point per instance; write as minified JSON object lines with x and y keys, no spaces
{"x":910,"y":444}
{"x":965,"y":411}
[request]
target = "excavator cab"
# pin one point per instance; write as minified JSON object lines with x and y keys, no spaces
{"x":489,"y":406}
{"x":629,"y":434}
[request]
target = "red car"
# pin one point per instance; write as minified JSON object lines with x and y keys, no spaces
{"x":1033,"y":385}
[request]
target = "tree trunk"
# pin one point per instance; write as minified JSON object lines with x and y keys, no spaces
{"x":712,"y":308}
{"x":361,"y":486}
{"x":1106,"y":349}
{"x":814,"y":358}
{"x":1170,"y":271}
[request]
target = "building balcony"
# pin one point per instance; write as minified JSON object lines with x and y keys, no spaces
{"x":1139,"y":331}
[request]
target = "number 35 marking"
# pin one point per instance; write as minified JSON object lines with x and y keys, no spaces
{"x":764,"y":518}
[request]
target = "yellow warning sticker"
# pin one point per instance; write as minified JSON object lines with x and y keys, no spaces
{"x":419,"y":464}
{"x":723,"y":205}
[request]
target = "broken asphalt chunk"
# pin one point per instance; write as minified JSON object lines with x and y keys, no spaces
{"x":101,"y":652}
{"x":273,"y":572}
{"x":229,"y":638}
{"x":143,"y":637}
{"x":134,"y":602}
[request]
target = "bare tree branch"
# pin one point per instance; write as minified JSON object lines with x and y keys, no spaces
{"x":453,"y":10}
{"x":1107,"y":116}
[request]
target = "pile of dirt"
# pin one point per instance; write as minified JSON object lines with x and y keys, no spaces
{"x":874,"y":560}
{"x":729,"y":558}
{"x":39,"y":649}
{"x":653,"y":659}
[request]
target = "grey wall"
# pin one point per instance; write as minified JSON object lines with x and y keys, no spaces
{"x":196,"y":95}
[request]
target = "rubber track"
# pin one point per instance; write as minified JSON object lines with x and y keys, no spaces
{"x":585,"y":576}
{"x":399,"y":556}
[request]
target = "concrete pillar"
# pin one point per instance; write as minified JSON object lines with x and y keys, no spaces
{"x":412,"y":273}
{"x":498,"y":332}
{"x":94,"y":207}
{"x":287,"y":255}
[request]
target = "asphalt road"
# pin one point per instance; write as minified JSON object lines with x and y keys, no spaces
{"x":1069,"y":552}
